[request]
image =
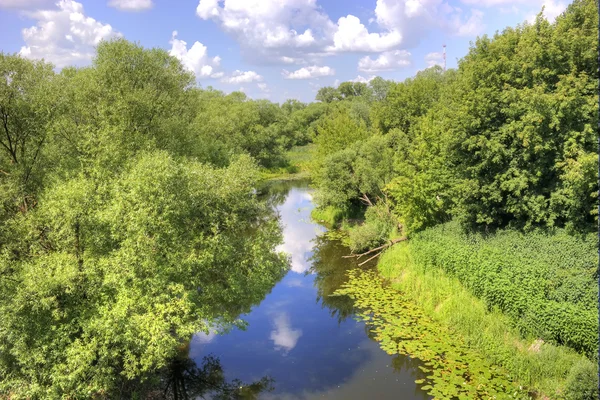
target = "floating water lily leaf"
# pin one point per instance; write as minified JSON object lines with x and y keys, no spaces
{"x":400,"y":327}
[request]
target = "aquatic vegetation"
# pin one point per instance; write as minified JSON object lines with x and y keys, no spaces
{"x":453,"y":370}
{"x":558,"y":372}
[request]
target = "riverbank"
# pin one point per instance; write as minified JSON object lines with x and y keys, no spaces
{"x":298,"y":167}
{"x":472,"y":286}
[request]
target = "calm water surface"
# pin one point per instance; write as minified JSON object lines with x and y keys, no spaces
{"x":305,"y":341}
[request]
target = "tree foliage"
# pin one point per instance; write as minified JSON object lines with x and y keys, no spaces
{"x":506,"y":140}
{"x":119,"y":237}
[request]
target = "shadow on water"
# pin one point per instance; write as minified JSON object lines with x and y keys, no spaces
{"x":299,"y":342}
{"x":184,"y":379}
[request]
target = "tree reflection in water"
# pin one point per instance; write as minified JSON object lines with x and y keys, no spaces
{"x":184,"y":379}
{"x":330,"y":269}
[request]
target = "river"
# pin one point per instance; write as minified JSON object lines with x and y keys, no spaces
{"x":299,"y":342}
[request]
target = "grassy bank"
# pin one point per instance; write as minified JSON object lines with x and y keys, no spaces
{"x":419,"y":269}
{"x":298,"y":166}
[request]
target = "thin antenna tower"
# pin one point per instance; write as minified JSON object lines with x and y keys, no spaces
{"x":444,"y":57}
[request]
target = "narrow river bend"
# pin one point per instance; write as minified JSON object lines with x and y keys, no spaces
{"x":301,"y":341}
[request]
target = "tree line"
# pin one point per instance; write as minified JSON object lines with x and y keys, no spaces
{"x":129,"y":218}
{"x":506,"y":140}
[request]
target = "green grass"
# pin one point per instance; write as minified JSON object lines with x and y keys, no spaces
{"x":330,"y":216}
{"x":298,"y":167}
{"x":555,"y":371}
{"x":302,"y":156}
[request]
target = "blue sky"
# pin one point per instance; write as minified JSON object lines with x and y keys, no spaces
{"x":273,"y":49}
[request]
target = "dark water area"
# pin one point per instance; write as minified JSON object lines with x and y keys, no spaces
{"x":301,"y":343}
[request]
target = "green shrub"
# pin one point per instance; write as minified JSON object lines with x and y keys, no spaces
{"x":557,"y":372}
{"x":582,"y":382}
{"x":378,"y":226}
{"x":328,"y":215}
{"x":545,"y":282}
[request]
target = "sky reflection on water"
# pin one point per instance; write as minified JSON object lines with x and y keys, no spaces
{"x":293,"y":338}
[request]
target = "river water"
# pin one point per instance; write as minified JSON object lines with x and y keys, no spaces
{"x":300,"y":340}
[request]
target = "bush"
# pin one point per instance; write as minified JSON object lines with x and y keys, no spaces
{"x":555,"y":372}
{"x":546,"y":282}
{"x":378,"y":226}
{"x":582,"y":383}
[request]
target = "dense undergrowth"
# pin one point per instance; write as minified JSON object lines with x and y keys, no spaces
{"x":545,"y":282}
{"x":554,"y":371}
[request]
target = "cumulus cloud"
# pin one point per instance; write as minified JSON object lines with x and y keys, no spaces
{"x":292,"y":31}
{"x":291,"y":60}
{"x":242,"y":77}
{"x":283,"y":336}
{"x":65,"y":35}
{"x":435,"y":58}
{"x":131,"y":5}
{"x":552,"y":10}
{"x":298,"y":234}
{"x":271,"y":27}
{"x":310,"y":72}
{"x":195,"y":59}
{"x":387,"y":61}
{"x":351,"y":36}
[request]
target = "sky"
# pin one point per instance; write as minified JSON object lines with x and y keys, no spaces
{"x":273,"y":49}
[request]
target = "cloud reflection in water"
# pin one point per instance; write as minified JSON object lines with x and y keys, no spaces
{"x":298,"y":233}
{"x":284,"y":337}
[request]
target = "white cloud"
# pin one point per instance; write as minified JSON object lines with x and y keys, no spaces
{"x":242,"y":77}
{"x":296,"y":282}
{"x":471,"y":27}
{"x":298,"y":234}
{"x":277,"y":28}
{"x":309,"y":72}
{"x":283,"y":336}
{"x":435,"y":58}
{"x":414,"y":18}
{"x":64,"y":36}
{"x":292,"y":31}
{"x":131,"y":5}
{"x":552,"y":10}
{"x":351,"y":35}
{"x":196,"y":58}
{"x":204,"y":338}
{"x":263,"y":87}
{"x":290,"y":60}
{"x":387,"y":61}
{"x":362,"y":79}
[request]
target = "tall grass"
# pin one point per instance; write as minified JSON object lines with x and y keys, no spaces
{"x":299,"y":160}
{"x":555,"y":371}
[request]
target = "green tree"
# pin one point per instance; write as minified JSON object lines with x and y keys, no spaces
{"x":380,"y":87}
{"x":328,"y":94}
{"x":355,"y":89}
{"x":110,"y":278}
{"x":27,"y":96}
{"x":526,"y":139}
